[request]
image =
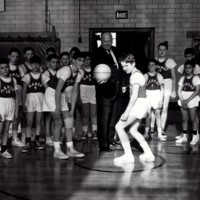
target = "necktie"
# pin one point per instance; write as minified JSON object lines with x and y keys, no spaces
{"x":114,"y":58}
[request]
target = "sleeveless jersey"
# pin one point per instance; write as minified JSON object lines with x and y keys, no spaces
{"x":87,"y":79}
{"x":27,"y":68}
{"x":142,"y":89}
{"x":7,"y":90}
{"x":188,"y":86}
{"x":152,"y":83}
{"x":70,"y":81}
{"x":164,"y":70}
{"x":15,"y":73}
{"x":35,"y":85}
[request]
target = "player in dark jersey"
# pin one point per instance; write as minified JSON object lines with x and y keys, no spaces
{"x":8,"y":105}
{"x":88,"y":100}
{"x":13,"y":56}
{"x":154,"y":91}
{"x":34,"y":84}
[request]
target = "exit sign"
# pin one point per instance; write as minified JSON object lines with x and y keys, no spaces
{"x":121,"y":14}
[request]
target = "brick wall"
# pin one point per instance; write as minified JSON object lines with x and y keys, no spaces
{"x":171,"y":19}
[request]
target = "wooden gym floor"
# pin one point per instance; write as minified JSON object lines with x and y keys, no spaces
{"x":175,"y":174}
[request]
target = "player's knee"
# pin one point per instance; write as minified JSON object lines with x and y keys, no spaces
{"x":118,"y":127}
{"x":185,"y":118}
{"x":29,"y":123}
{"x":69,"y":123}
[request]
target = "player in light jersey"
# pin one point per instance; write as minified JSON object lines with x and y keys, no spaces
{"x":135,"y":111}
{"x":189,"y":55}
{"x":166,"y":67}
{"x":55,"y":103}
{"x":188,"y":93}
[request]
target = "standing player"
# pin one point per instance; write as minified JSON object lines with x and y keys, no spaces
{"x":88,"y":99}
{"x":8,"y":104}
{"x":25,"y":68}
{"x":13,"y":57}
{"x":188,"y":93}
{"x":53,"y":64}
{"x":34,"y":84}
{"x":189,"y":55}
{"x":166,"y":67}
{"x":154,"y":91}
{"x":135,"y":111}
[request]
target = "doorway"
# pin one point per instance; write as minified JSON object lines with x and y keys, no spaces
{"x":138,"y":40}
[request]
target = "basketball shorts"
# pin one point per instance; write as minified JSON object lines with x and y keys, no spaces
{"x":34,"y":102}
{"x":193,"y":103}
{"x":167,"y":87}
{"x":49,"y":102}
{"x":153,"y":98}
{"x":88,"y":94}
{"x":139,"y":110}
{"x":7,"y":109}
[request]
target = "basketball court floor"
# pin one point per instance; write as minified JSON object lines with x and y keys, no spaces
{"x":175,"y":174}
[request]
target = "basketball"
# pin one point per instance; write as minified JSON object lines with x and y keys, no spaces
{"x":102,"y":72}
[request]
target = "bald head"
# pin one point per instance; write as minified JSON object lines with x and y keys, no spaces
{"x":106,"y":40}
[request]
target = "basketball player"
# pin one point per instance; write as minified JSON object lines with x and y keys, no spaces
{"x":53,"y":63}
{"x":166,"y":67}
{"x":55,"y":102}
{"x":34,"y":84}
{"x":13,"y":57}
{"x":188,"y":93}
{"x":88,"y":100}
{"x":135,"y":111}
{"x":154,"y":91}
{"x":8,"y":105}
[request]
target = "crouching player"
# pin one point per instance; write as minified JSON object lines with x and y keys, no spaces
{"x":135,"y":111}
{"x":55,"y":102}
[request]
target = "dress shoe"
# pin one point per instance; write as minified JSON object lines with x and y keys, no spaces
{"x":105,"y":149}
{"x":115,"y":144}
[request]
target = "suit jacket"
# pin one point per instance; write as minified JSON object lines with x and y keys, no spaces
{"x":110,"y":89}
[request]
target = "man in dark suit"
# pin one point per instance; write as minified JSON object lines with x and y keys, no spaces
{"x":107,"y":93}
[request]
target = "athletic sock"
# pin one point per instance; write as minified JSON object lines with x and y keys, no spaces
{"x":159,"y":131}
{"x":147,"y":130}
{"x":56,"y":146}
{"x":85,"y":128}
{"x":69,"y":144}
{"x":94,"y":127}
